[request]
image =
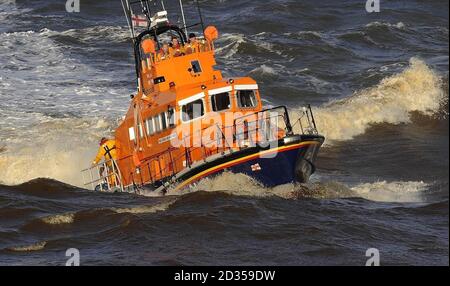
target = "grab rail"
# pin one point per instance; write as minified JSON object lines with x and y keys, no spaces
{"x":255,"y":128}
{"x":106,"y":175}
{"x":306,"y":121}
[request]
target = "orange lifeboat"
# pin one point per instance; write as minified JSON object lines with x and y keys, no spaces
{"x":187,"y":122}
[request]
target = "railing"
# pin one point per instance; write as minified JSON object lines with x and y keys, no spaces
{"x":262,"y":127}
{"x":167,"y":164}
{"x":306,"y":122}
{"x":253,"y":129}
{"x":247,"y":131}
{"x":202,"y":46}
{"x":105,"y":176}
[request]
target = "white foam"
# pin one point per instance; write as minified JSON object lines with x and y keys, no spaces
{"x":146,"y":209}
{"x":33,"y":247}
{"x":264,"y":70}
{"x":417,"y":88}
{"x":229,"y":44}
{"x":392,"y":191}
{"x":96,"y":33}
{"x":305,"y":34}
{"x":66,"y":218}
{"x":399,"y":25}
{"x":56,"y":149}
{"x":242,"y":185}
{"x":53,"y":109}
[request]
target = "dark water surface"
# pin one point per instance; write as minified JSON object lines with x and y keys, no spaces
{"x":378,"y":83}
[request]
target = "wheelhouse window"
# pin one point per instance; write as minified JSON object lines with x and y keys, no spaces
{"x":158,"y":126}
{"x":163,"y":121}
{"x":160,"y":122}
{"x":220,"y":101}
{"x":193,"y":110}
{"x":171,"y":117}
{"x":246,"y":98}
{"x":149,"y":124}
{"x":141,"y":130}
{"x":131,"y":134}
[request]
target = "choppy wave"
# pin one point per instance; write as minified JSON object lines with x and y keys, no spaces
{"x":149,"y":209}
{"x":242,"y":185}
{"x":417,"y":88}
{"x":264,"y":70}
{"x":229,"y":44}
{"x":392,"y":191}
{"x":56,"y":149}
{"x":67,"y":218}
{"x":52,"y":130}
{"x":94,"y":34}
{"x":398,"y":25}
{"x":65,"y":79}
{"x":27,"y":248}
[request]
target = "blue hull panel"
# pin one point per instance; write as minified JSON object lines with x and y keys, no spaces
{"x":271,"y":171}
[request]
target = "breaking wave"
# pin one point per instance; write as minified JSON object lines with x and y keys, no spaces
{"x":417,"y":88}
{"x":392,"y":191}
{"x":263,"y":71}
{"x":56,"y":149}
{"x":59,"y":219}
{"x":69,"y":218}
{"x":92,"y":34}
{"x":53,"y":129}
{"x":399,"y":25}
{"x":242,"y":185}
{"x":146,"y":209}
{"x":229,"y":44}
{"x":33,"y":247}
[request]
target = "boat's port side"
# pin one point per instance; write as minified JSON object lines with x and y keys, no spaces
{"x":261,"y":145}
{"x":269,"y":166}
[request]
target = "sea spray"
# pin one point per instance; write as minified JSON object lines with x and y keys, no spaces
{"x":417,"y":88}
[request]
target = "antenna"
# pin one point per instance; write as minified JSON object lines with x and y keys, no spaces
{"x":201,"y":17}
{"x":182,"y":15}
{"x":146,"y":9}
{"x":127,"y":11}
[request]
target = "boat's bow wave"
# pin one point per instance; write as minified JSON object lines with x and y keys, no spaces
{"x":244,"y":186}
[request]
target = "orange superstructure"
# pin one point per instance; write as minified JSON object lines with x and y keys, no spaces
{"x":155,"y":113}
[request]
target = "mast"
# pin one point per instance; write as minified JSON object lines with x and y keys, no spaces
{"x":142,"y":23}
{"x":127,"y":10}
{"x":201,"y":17}
{"x":184,"y":18}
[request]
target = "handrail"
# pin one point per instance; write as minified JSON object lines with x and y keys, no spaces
{"x":308,"y":127}
{"x":255,"y":131}
{"x":114,"y":175}
{"x":203,"y":46}
{"x":285,"y":116}
{"x":170,"y":170}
